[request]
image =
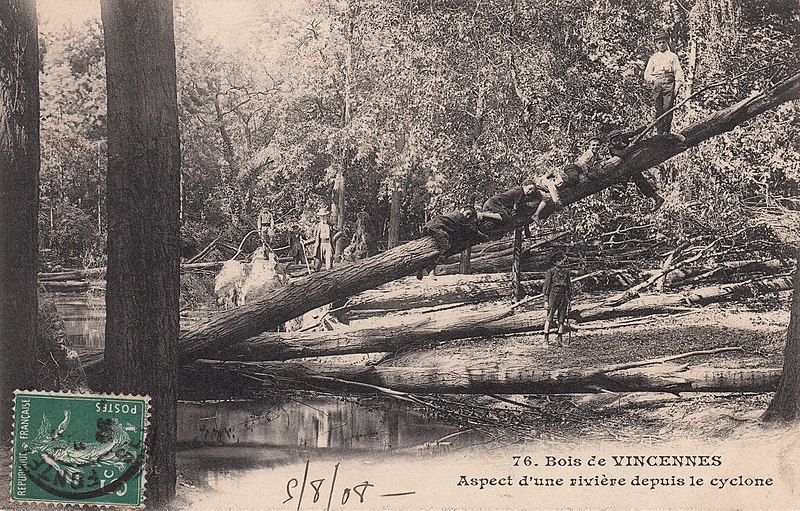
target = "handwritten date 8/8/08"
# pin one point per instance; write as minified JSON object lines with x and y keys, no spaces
{"x":317,"y":489}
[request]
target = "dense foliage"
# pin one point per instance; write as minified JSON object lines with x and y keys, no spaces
{"x":446,"y":101}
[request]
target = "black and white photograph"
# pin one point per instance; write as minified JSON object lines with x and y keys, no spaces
{"x":400,"y":254}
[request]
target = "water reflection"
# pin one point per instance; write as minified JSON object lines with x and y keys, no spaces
{"x":320,"y":422}
{"x":84,"y":316}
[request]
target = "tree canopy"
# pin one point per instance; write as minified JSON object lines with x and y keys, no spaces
{"x":447,"y":102}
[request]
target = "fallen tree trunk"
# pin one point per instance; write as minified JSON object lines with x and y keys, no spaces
{"x":700,"y":296}
{"x":412,"y":293}
{"x":432,"y":328}
{"x":727,"y":269}
{"x":101,"y":272}
{"x":449,"y":326}
{"x":72,"y":286}
{"x":493,"y":377}
{"x":645,"y":155}
{"x":313,"y":291}
{"x":500,"y":260}
{"x":72,"y":274}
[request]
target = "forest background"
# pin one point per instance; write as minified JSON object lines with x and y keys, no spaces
{"x":403,"y":109}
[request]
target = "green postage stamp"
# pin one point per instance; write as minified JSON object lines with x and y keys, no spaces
{"x":79,"y":448}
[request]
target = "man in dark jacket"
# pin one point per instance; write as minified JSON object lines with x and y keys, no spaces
{"x":557,"y":291}
{"x":618,"y":147}
{"x":453,"y":231}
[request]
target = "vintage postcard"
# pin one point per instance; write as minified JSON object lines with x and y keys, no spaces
{"x":434,"y":254}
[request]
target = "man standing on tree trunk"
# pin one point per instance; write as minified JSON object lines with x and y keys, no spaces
{"x":665,"y":76}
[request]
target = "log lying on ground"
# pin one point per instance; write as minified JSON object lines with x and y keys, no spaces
{"x":500,"y":260}
{"x":101,"y":272}
{"x":493,"y":377}
{"x":413,"y":293}
{"x":72,"y":286}
{"x":701,"y":296}
{"x":72,"y":274}
{"x":727,"y":269}
{"x":434,"y":327}
{"x":315,"y":290}
{"x":450,"y":325}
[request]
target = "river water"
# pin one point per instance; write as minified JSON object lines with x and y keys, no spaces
{"x":227,"y":446}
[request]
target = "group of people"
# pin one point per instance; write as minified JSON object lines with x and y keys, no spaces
{"x":459,"y":229}
{"x":323,"y":238}
{"x":465,"y":226}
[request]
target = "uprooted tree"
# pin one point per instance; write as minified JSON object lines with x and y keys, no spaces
{"x":313,"y":291}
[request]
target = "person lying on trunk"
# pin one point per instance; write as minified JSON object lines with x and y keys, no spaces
{"x":579,"y":172}
{"x":526,"y":201}
{"x":557,"y":291}
{"x":619,"y":148}
{"x":453,"y":232}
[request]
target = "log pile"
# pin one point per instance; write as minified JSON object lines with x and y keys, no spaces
{"x":235,"y":327}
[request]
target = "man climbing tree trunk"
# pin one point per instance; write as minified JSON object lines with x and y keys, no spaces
{"x":785,"y":404}
{"x":19,"y":199}
{"x":143,"y":226}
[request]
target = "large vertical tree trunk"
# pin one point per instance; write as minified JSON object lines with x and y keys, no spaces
{"x":516,"y":267}
{"x":19,"y":198}
{"x":785,"y":404}
{"x":394,"y":219}
{"x":143,"y":226}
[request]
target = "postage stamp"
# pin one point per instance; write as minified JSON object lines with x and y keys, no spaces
{"x":79,"y":448}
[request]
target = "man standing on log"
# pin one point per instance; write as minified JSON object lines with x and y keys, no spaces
{"x":557,"y":291}
{"x":296,"y":247}
{"x":325,"y":236}
{"x":665,"y":76}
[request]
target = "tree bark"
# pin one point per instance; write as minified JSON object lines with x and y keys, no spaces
{"x":316,"y":290}
{"x":143,"y":274}
{"x":448,"y":289}
{"x":517,"y":291}
{"x":447,"y":326}
{"x":785,"y":405}
{"x":488,"y":377}
{"x":19,"y":200}
{"x":394,"y":219}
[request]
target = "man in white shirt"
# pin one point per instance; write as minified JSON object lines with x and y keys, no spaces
{"x":324,"y":236}
{"x":664,"y":74}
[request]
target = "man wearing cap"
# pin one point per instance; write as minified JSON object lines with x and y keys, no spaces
{"x":325,"y":236}
{"x":665,"y":76}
